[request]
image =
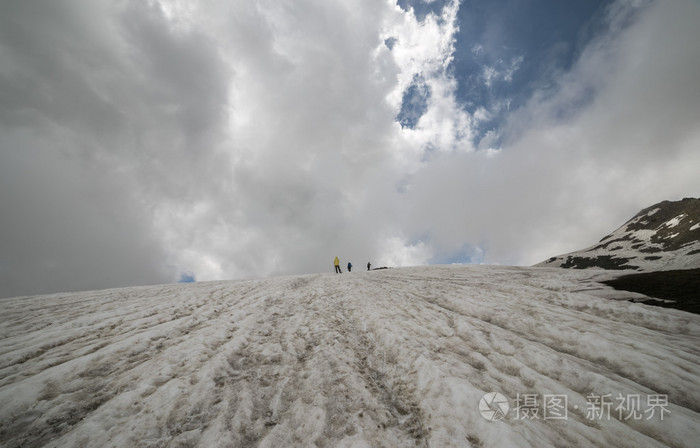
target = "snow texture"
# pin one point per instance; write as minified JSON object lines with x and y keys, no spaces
{"x":399,"y":357}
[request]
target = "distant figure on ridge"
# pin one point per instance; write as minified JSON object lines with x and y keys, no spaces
{"x":349,"y":266}
{"x":369,"y":265}
{"x":336,"y":262}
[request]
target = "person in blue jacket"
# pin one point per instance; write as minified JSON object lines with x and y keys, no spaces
{"x":349,"y":266}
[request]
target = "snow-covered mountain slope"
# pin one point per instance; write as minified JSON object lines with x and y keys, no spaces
{"x":664,"y":236}
{"x":400,"y":357}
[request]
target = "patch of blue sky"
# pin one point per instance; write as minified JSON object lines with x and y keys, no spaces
{"x":505,"y":50}
{"x":422,"y":8}
{"x":466,"y":254}
{"x":414,"y":103}
{"x":187,"y":277}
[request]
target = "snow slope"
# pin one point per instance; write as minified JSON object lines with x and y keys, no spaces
{"x":400,"y":357}
{"x":665,"y":236}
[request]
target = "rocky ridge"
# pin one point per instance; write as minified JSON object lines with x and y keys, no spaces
{"x":665,"y":236}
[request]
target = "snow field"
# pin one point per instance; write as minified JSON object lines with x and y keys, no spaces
{"x":399,"y":357}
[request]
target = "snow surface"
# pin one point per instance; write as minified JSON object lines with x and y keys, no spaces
{"x":674,"y":221}
{"x":695,"y":226}
{"x":399,"y":357}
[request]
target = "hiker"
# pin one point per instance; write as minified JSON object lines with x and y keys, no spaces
{"x":369,"y":265}
{"x":349,"y":266}
{"x":336,"y":262}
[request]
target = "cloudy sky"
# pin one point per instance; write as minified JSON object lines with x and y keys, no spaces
{"x":156,"y":141}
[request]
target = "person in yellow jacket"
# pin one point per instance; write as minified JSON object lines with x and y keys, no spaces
{"x":336,"y":262}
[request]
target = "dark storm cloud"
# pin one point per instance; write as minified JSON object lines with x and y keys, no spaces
{"x":107,"y":114}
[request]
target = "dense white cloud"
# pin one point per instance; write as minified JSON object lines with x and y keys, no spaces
{"x":141,"y":140}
